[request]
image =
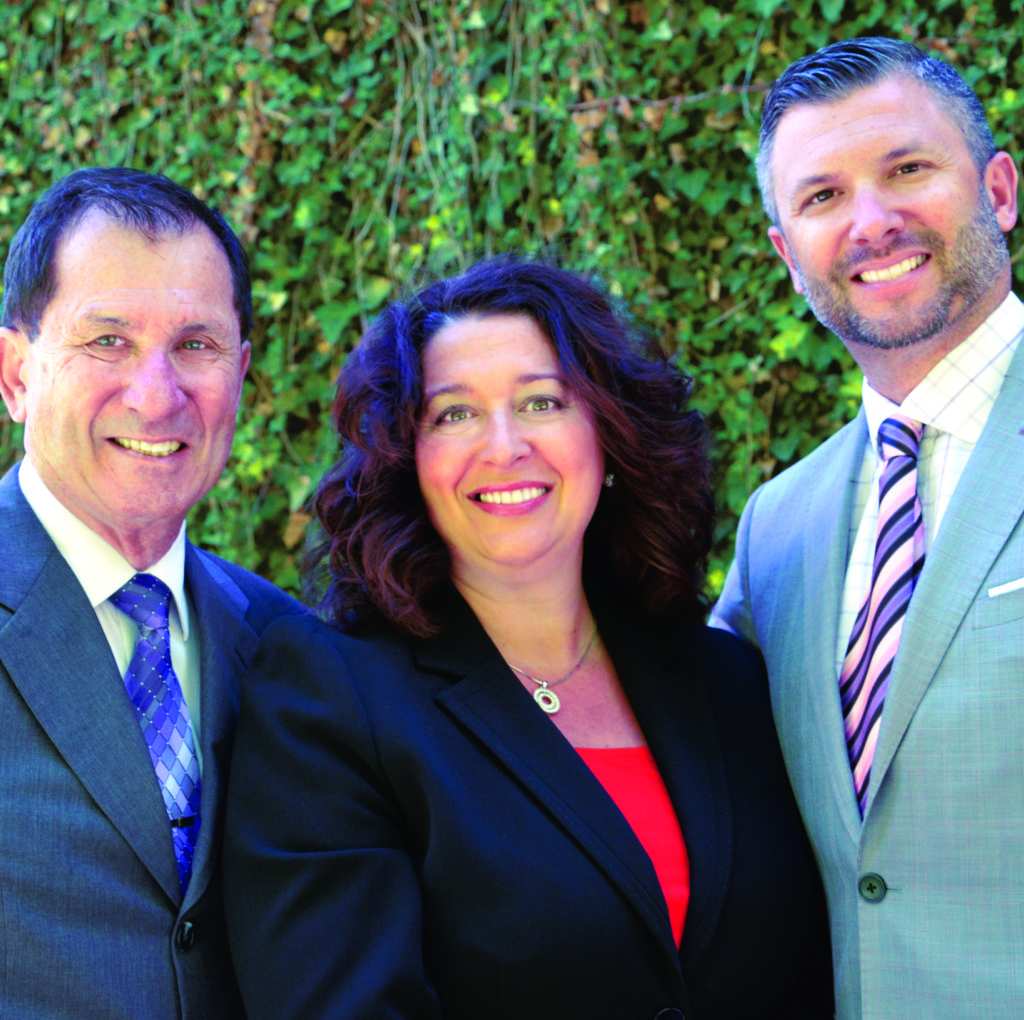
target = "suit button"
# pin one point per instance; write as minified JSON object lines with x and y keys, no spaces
{"x":669,"y":1014}
{"x":185,"y":938}
{"x":872,"y":887}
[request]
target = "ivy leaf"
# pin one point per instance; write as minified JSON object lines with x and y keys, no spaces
{"x":692,"y":183}
{"x":375,"y":290}
{"x":334,"y":316}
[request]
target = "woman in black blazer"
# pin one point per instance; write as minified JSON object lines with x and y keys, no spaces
{"x":429,"y":798}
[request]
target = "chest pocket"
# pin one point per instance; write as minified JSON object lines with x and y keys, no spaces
{"x":993,"y":610}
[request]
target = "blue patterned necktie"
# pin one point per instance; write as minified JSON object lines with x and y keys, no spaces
{"x":899,"y":557}
{"x":163,"y":715}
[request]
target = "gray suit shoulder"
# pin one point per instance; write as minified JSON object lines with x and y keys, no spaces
{"x":806,"y":472}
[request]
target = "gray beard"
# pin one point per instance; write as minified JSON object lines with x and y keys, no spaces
{"x":969,"y":270}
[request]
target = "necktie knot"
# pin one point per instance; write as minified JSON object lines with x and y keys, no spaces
{"x":146,"y":599}
{"x":899,"y":436}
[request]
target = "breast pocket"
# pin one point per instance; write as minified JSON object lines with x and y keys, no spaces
{"x":1000,"y":603}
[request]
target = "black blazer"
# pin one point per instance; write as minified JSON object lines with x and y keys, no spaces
{"x":410,"y":837}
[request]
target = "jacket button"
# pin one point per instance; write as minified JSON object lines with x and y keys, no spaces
{"x":872,"y":887}
{"x":669,"y":1014}
{"x":185,"y":938}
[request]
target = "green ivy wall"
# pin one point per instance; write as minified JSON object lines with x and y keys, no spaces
{"x":357,"y":145}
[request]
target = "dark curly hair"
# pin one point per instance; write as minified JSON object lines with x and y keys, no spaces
{"x":651,"y":531}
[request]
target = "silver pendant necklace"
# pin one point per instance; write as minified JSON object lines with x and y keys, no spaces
{"x":544,"y":696}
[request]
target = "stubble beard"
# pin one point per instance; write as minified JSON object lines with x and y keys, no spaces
{"x":968,"y":269}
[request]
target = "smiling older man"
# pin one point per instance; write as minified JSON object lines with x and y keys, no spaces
{"x":122,"y":349}
{"x":883,"y":576}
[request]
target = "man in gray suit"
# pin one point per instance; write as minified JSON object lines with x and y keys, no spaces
{"x":898,"y":689}
{"x":123,"y":349}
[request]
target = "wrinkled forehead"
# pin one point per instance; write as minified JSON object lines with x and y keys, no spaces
{"x":108,"y":271}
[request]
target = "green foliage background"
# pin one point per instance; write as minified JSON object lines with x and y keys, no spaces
{"x":356,"y":144}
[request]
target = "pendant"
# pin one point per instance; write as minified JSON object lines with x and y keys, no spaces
{"x":547,"y":700}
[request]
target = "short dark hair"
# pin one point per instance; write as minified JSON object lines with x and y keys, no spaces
{"x":148,"y":203}
{"x":835,"y":72}
{"x":652,"y":529}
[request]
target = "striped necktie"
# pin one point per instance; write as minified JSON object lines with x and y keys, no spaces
{"x":899,"y":557}
{"x":163,"y":714}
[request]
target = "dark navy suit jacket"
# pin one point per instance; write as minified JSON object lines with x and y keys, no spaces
{"x":409,"y":836}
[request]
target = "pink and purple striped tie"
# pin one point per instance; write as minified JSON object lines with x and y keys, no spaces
{"x":899,"y":557}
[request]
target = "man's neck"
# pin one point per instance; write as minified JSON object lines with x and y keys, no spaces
{"x":896,"y":372}
{"x":141,"y":545}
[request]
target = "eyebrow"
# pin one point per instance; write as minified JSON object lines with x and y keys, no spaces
{"x":913,"y":149}
{"x":815,"y":181}
{"x":458,"y":388}
{"x":95,"y":319}
{"x":892,"y":156}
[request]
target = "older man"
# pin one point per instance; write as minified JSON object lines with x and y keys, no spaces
{"x":122,"y":349}
{"x":883,"y":576}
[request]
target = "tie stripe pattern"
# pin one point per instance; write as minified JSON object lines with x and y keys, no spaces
{"x":899,"y":557}
{"x":154,"y":690}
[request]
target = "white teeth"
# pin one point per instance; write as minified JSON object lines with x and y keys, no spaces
{"x":149,"y":449}
{"x":877,"y":275}
{"x":514,"y":496}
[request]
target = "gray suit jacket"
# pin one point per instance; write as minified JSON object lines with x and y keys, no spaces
{"x":942,"y":934}
{"x":92,"y":922}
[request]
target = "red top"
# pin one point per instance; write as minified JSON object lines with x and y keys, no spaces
{"x":632,"y":780}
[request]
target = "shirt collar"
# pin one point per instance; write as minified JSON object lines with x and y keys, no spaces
{"x":99,"y":567}
{"x":958,"y":394}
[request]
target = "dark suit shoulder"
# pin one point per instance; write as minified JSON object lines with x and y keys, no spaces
{"x":689,"y":652}
{"x":266,"y":600}
{"x":724,"y":650}
{"x":712,"y":666}
{"x":302,"y":658}
{"x":300,"y":631}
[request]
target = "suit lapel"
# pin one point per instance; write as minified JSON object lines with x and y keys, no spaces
{"x":490,"y":703}
{"x":825,"y":537}
{"x":681,"y":732}
{"x":226,"y":645}
{"x":986,"y":507}
{"x":60,"y":661}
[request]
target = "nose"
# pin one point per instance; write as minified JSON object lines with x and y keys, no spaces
{"x":154,"y":388}
{"x":875,"y":217}
{"x":504,"y":440}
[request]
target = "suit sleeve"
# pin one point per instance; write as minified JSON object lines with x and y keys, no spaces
{"x":733,"y":610}
{"x":323,"y":902}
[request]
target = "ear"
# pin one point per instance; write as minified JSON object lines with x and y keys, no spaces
{"x":14,"y":348}
{"x":1000,"y":182}
{"x":244,"y":365}
{"x":779,"y":241}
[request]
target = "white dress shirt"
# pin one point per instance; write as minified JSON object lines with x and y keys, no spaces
{"x":102,"y":570}
{"x":953,"y":403}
